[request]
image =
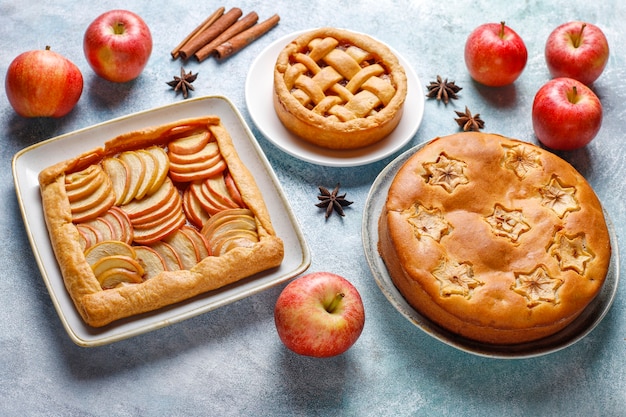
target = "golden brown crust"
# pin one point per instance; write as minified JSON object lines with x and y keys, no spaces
{"x":100,"y":307}
{"x":315,"y":112}
{"x":494,"y":239}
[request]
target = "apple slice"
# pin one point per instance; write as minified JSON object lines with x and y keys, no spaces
{"x":151,"y":261}
{"x":108,"y":248}
{"x":138,"y":208}
{"x":147,"y":235}
{"x":89,"y":235}
{"x":169,"y":255}
{"x":113,"y":277}
{"x":150,"y":162}
{"x":226,"y":216}
{"x":184,"y":246}
{"x":137,"y":168}
{"x":93,"y":206}
{"x":229,"y":229}
{"x":190,"y":144}
{"x":162,"y":167}
{"x":80,"y":178}
{"x":217,"y":187}
{"x":119,"y":173}
{"x":233,"y":190}
{"x":202,"y":246}
{"x":209,"y":151}
{"x":103,"y":228}
{"x":233,"y":239}
{"x":199,"y":175}
{"x":160,"y":212}
{"x":116,"y":261}
{"x":196,"y":214}
{"x":127,"y":227}
{"x":87,"y":188}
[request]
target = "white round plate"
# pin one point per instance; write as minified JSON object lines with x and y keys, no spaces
{"x":259,"y":86}
{"x":578,"y":329}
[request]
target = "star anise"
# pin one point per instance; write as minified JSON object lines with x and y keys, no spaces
{"x":468,"y":121}
{"x":183,"y":83}
{"x":332,"y":201}
{"x":443,"y":90}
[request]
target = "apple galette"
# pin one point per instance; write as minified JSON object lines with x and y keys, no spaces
{"x":155,"y":217}
{"x":339,"y":89}
{"x":494,"y":239}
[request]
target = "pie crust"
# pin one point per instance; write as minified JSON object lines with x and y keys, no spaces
{"x":494,"y":239}
{"x":338,"y":89}
{"x":99,"y":307}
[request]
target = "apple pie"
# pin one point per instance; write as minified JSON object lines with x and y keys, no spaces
{"x":338,"y":89}
{"x":155,"y":217}
{"x":494,"y":239}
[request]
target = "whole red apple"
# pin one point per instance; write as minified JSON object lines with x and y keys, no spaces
{"x":495,"y":54}
{"x":117,"y":45}
{"x":43,"y":83}
{"x":566,"y":114}
{"x":320,"y":314}
{"x":577,"y":50}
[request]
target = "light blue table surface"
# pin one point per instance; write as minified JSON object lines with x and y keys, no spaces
{"x":230,"y":361}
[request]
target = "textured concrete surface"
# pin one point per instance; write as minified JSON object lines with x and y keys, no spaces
{"x":230,"y":361}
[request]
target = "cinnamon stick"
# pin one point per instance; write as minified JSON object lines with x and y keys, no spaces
{"x":245,"y":38}
{"x":244,"y":23}
{"x":210,"y":33}
{"x":205,"y":24}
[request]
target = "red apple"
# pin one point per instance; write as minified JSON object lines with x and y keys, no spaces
{"x":320,"y":314}
{"x":577,"y":50}
{"x":566,"y":114}
{"x":42,"y":83}
{"x":117,"y":45}
{"x":495,"y":55}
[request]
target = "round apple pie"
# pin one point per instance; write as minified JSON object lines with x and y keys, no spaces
{"x":338,"y":89}
{"x":494,"y":239}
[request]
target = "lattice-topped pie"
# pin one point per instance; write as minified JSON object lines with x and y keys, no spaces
{"x":155,"y":217}
{"x":494,"y":239}
{"x":339,"y":89}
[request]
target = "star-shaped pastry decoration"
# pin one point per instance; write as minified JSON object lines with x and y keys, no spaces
{"x":537,"y":286}
{"x":571,"y":252}
{"x":455,"y":278}
{"x":427,"y":222}
{"x":558,"y":197}
{"x":446,"y":172}
{"x":507,"y":223}
{"x":521,"y":159}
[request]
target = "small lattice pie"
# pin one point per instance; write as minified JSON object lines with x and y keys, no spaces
{"x":155,"y":217}
{"x":339,"y":89}
{"x":494,"y":239}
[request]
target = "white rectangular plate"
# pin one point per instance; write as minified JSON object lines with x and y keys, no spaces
{"x":30,"y":161}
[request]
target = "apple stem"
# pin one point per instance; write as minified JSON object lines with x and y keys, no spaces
{"x":572,"y":95}
{"x":118,"y":28}
{"x":335,"y":302}
{"x":578,"y":38}
{"x":502,"y":30}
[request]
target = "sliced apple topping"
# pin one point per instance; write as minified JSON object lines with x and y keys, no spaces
{"x":190,"y":144}
{"x":108,"y":248}
{"x":153,"y":263}
{"x":137,"y":167}
{"x":184,"y":247}
{"x":90,"y":193}
{"x":168,"y":253}
{"x":194,"y":158}
{"x":135,"y":174}
{"x":229,"y":229}
{"x":138,"y":208}
{"x":119,"y":173}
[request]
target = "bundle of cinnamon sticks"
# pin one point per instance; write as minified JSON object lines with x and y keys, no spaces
{"x":223,"y":34}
